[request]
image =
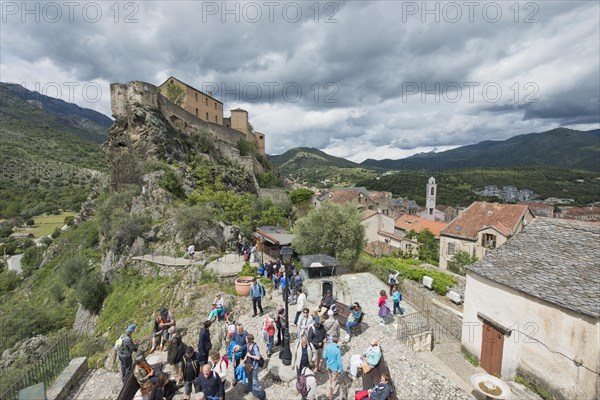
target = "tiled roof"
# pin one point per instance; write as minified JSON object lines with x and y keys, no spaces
{"x":366,"y":214}
{"x":504,"y":217}
{"x":379,"y":248}
{"x":377,"y":195}
{"x":342,"y":196}
{"x":408,"y":222}
{"x":552,"y":259}
{"x":273,"y":234}
{"x":396,"y":237}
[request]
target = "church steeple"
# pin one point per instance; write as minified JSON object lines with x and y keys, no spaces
{"x":430,"y":199}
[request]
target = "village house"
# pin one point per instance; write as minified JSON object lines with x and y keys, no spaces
{"x":540,"y":209}
{"x":532,"y":308}
{"x":403,"y":206}
{"x":481,"y":227}
{"x":358,"y":196}
{"x":407,"y":223}
{"x":206,"y":108}
{"x":381,"y":239}
{"x":580,"y":213}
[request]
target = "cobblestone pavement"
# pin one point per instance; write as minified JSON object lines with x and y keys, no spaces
{"x":414,"y":377}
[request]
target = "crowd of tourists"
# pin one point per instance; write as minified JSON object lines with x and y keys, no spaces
{"x":206,"y":372}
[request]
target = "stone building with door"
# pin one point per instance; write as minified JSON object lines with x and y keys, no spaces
{"x":532,"y":308}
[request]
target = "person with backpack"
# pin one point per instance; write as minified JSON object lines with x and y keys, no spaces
{"x":317,"y":336}
{"x":219,"y":365}
{"x":143,"y":372}
{"x":332,"y":327}
{"x":397,"y":298}
{"x":165,"y":389}
{"x":252,"y":364}
{"x":393,"y":280}
{"x":125,"y":347}
{"x":189,"y":370}
{"x":204,"y":343}
{"x":304,"y":353}
{"x":268,"y":327}
{"x":307,"y":383}
{"x":257,"y":292}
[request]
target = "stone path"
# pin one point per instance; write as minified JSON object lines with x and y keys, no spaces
{"x":226,"y":266}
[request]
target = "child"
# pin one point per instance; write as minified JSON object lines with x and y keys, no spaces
{"x":384,"y":310}
{"x":397,"y":298}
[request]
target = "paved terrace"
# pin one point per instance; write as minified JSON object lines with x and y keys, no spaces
{"x":415,"y":377}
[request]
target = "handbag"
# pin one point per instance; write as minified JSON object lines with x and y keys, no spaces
{"x":365,"y":367}
{"x":248,"y":368}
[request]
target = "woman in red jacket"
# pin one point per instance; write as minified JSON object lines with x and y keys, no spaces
{"x":384,"y":310}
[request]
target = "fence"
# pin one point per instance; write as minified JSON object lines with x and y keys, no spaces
{"x":445,"y":324}
{"x":48,"y":367}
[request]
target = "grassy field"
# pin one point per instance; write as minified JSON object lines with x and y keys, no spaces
{"x":46,"y":224}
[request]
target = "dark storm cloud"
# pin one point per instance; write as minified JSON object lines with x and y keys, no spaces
{"x":373,"y":75}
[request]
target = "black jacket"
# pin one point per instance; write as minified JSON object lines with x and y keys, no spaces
{"x":316,"y":335}
{"x":204,"y":344}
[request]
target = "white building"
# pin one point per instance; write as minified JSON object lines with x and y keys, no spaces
{"x":532,"y":307}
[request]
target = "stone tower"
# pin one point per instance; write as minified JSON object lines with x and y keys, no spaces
{"x":430,"y":199}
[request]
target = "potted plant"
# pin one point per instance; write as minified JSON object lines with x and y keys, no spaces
{"x":244,"y":279}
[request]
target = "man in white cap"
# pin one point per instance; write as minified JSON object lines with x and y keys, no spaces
{"x":125,"y":347}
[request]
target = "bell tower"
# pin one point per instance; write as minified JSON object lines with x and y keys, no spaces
{"x":430,"y":199}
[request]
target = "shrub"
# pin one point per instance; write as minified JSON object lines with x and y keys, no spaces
{"x":9,"y":280}
{"x":91,"y":292}
{"x":248,"y":270}
{"x":70,"y":220}
{"x":31,"y":261}
{"x":72,"y":270}
{"x":191,"y":220}
{"x":56,"y":233}
{"x":30,"y":222}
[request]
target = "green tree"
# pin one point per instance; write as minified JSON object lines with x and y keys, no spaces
{"x":331,"y":229}
{"x":429,"y":250}
{"x":175,"y":93}
{"x":300,"y":196}
{"x":459,"y":261}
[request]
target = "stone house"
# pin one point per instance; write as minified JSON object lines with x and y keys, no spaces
{"x":381,"y":239}
{"x":532,"y":308}
{"x":540,"y":209}
{"x":482,"y":226}
{"x":358,"y":196}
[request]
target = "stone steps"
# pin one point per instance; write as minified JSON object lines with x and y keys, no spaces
{"x":67,"y":379}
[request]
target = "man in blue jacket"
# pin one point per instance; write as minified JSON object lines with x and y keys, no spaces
{"x":210,"y":384}
{"x":239,"y":337}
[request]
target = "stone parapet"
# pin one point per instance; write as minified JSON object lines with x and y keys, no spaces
{"x":65,"y":382}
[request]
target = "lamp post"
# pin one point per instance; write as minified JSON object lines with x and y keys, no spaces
{"x":286,"y":354}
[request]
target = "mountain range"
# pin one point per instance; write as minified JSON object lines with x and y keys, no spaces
{"x":560,"y":147}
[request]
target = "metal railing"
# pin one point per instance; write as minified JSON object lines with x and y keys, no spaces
{"x":445,"y":324}
{"x":46,"y":369}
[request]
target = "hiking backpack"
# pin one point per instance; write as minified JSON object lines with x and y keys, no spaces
{"x":301,"y":385}
{"x":194,"y":372}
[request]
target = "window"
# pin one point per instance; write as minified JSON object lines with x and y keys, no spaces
{"x":451,"y":248}
{"x":206,"y":100}
{"x":207,"y":116}
{"x":488,"y":240}
{"x":196,"y":112}
{"x":216,"y":120}
{"x":196,"y":97}
{"x":215,"y":105}
{"x":431,"y":211}
{"x":431,"y":191}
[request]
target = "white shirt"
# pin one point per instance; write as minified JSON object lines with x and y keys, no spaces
{"x":301,"y":302}
{"x":191,"y":249}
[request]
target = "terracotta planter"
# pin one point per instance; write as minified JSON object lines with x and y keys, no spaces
{"x":242,"y":285}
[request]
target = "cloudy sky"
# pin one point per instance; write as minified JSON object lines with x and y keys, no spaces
{"x":357,"y":79}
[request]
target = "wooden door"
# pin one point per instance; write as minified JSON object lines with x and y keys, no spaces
{"x":492,"y":344}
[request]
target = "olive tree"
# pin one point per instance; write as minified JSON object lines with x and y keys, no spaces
{"x":332,"y":229}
